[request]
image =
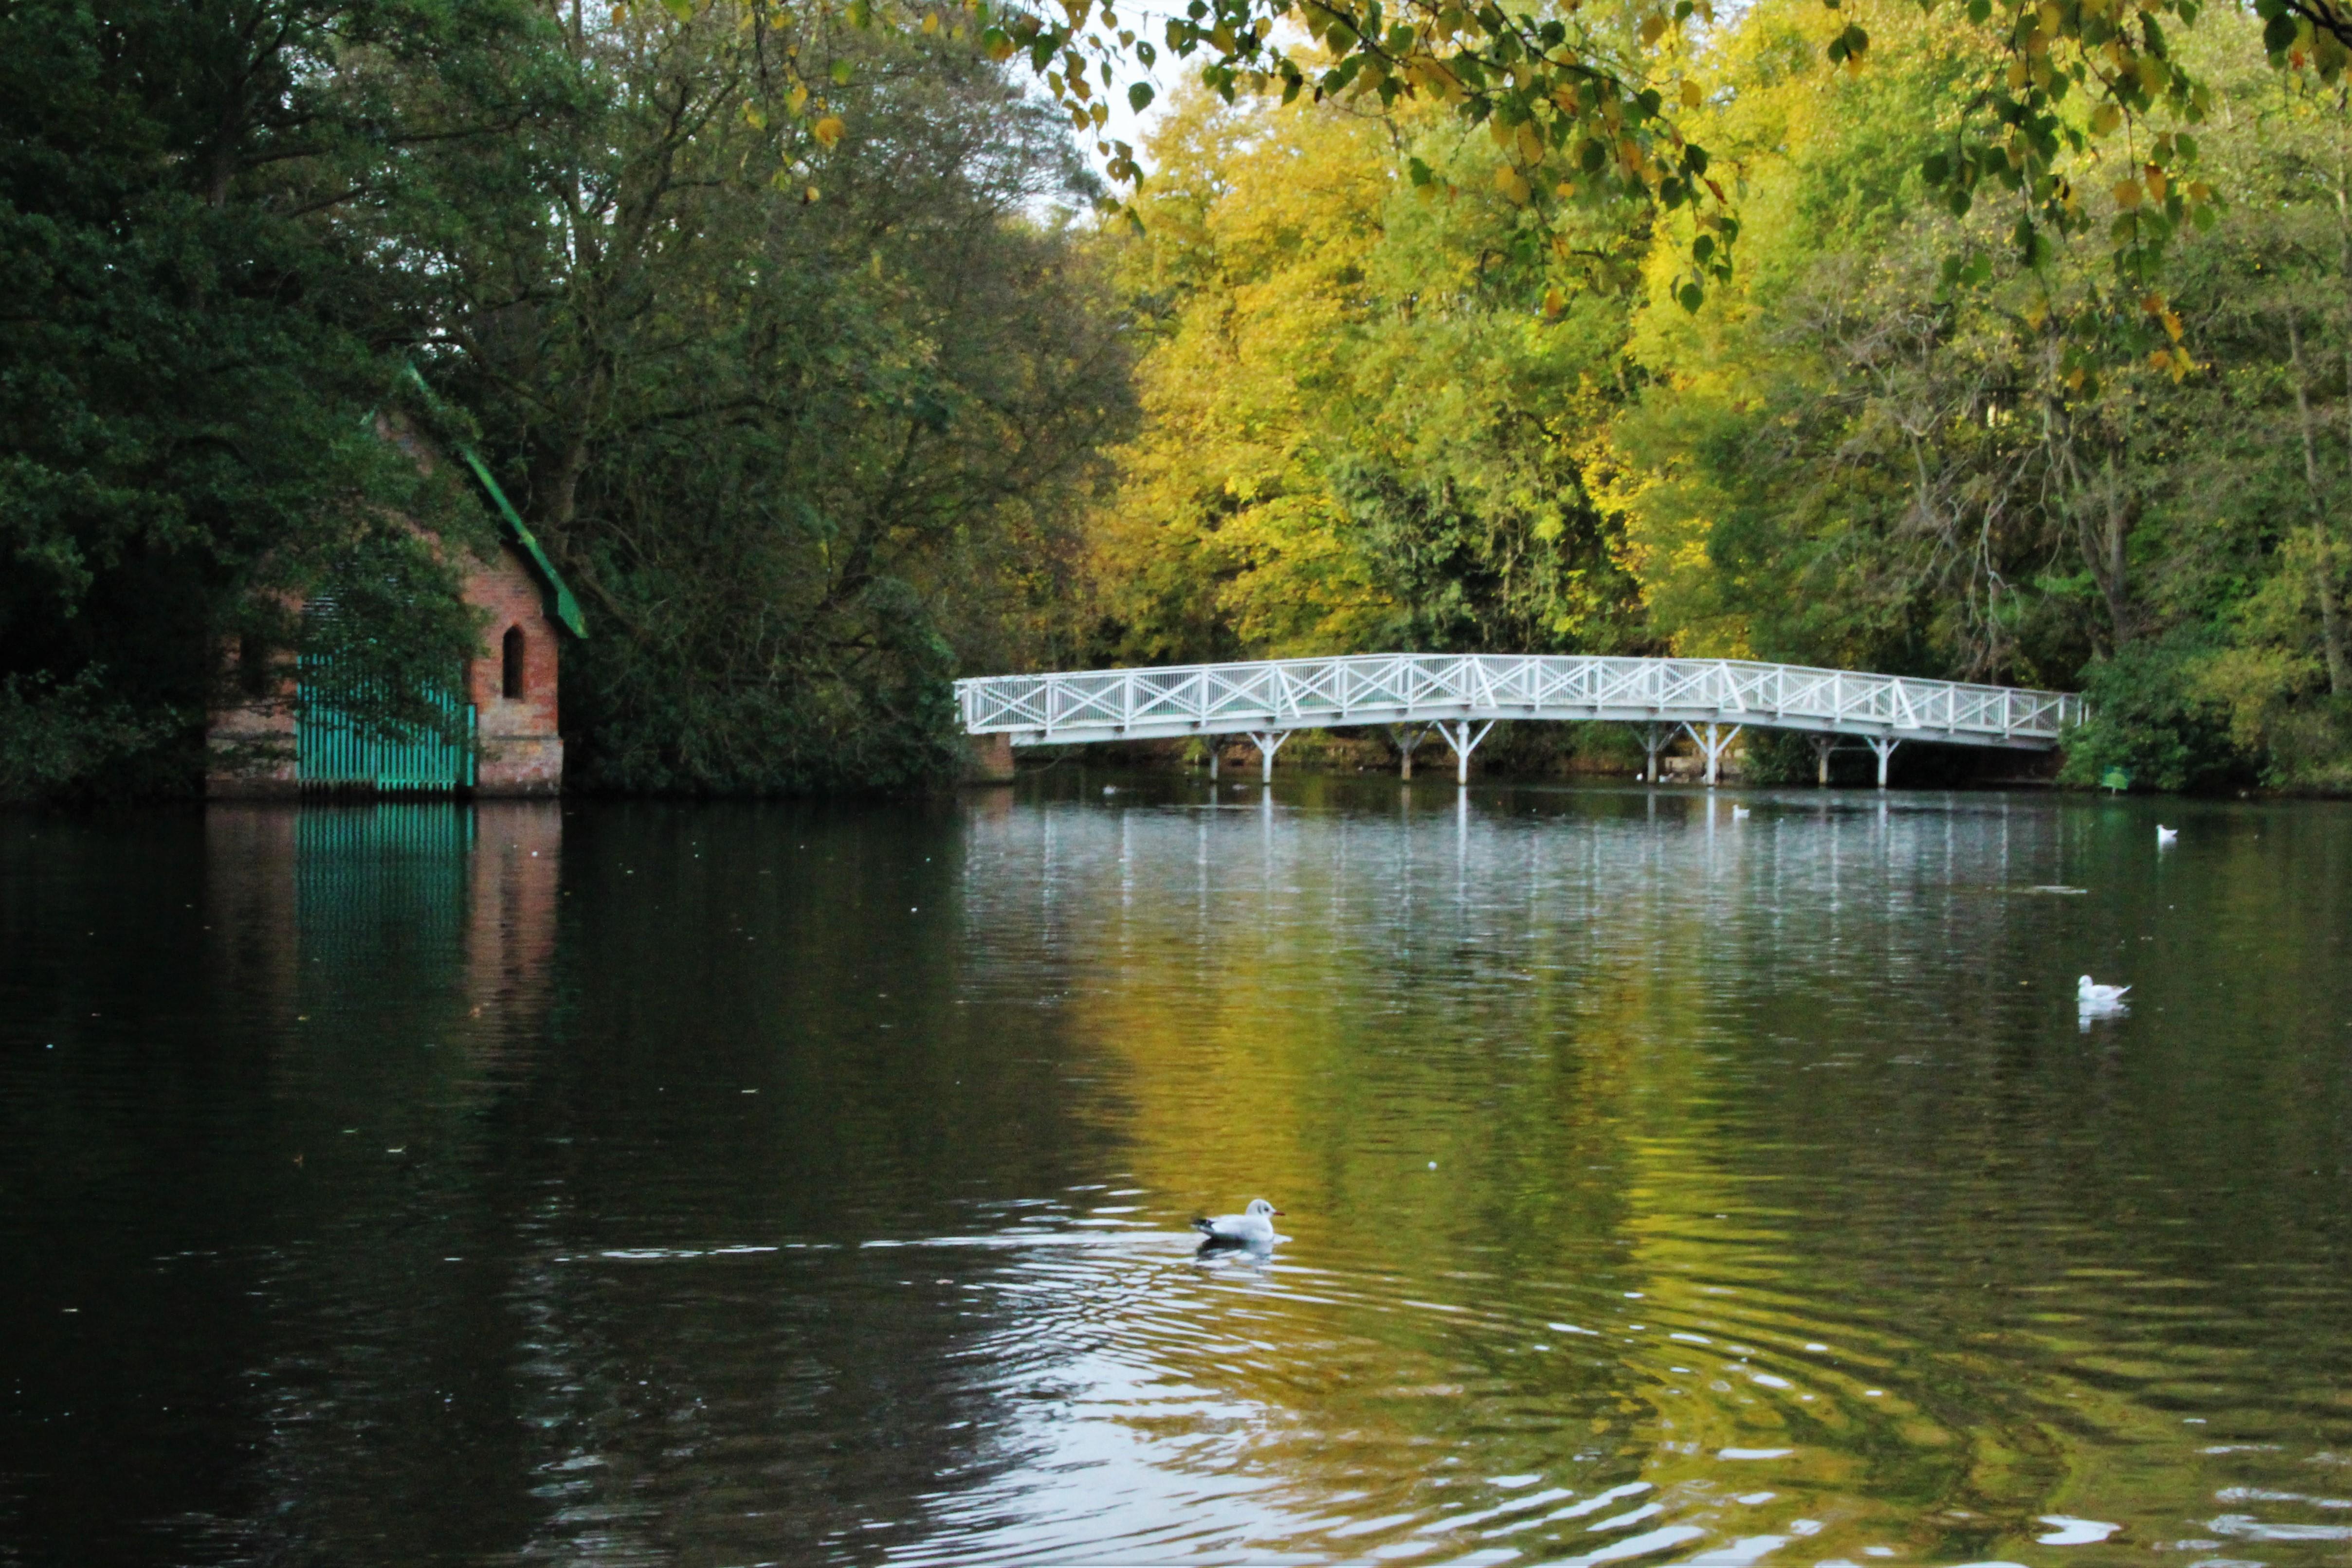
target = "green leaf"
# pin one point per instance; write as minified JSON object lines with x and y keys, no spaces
{"x":1690,"y":296}
{"x":1936,"y":168}
{"x":1138,"y":97}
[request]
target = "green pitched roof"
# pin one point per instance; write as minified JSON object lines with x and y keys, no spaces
{"x":563,"y":605}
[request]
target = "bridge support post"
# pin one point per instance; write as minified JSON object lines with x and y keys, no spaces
{"x":1884,"y":746}
{"x":1408,"y":739}
{"x":1714,"y":743}
{"x":1654,"y":738}
{"x":1269,"y":742}
{"x":1457,"y":735}
{"x":1823,"y":745}
{"x":1212,"y":757}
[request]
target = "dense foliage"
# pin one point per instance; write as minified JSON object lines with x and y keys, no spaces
{"x":188,"y":356}
{"x":794,"y":408}
{"x":1361,"y":436}
{"x":1888,"y":442}
{"x":787,"y":335}
{"x":803,"y":417}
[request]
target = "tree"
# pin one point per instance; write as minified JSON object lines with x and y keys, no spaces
{"x":193,"y":343}
{"x":1850,"y":456}
{"x":782,"y":402}
{"x":1361,"y":434}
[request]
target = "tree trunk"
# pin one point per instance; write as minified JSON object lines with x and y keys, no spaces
{"x":2323,"y":547}
{"x":2103,"y":522}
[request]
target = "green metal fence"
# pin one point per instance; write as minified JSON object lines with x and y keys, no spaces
{"x":332,"y":752}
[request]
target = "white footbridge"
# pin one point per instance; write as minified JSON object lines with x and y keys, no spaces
{"x":1460,"y":696}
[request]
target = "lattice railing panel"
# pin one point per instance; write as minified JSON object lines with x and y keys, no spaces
{"x":1409,"y":688}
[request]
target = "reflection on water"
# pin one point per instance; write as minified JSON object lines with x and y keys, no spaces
{"x":634,"y":1184}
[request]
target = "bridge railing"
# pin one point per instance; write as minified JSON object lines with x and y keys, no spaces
{"x":1393,"y":688}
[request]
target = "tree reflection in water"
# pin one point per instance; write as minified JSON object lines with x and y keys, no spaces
{"x":623,"y":1183}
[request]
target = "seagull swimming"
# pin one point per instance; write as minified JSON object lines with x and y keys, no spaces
{"x":1254,"y":1226}
{"x":2164,"y":835}
{"x":1737,"y":812}
{"x":2094,"y":996}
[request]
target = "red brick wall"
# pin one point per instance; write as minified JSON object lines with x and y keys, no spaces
{"x":522,"y":753}
{"x":522,"y":750}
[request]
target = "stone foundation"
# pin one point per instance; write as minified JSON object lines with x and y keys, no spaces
{"x":519,"y":765}
{"x":987,"y":759}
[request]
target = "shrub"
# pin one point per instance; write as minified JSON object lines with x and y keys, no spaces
{"x":2153,"y":716}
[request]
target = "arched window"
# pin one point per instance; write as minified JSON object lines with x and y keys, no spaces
{"x":510,"y":675}
{"x":253,"y":664}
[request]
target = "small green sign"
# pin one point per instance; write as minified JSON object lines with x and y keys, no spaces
{"x":2114,"y":778}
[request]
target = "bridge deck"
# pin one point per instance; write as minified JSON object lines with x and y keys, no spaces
{"x":1280,"y":695}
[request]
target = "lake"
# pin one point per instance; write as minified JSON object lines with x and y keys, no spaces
{"x":635,"y":1183}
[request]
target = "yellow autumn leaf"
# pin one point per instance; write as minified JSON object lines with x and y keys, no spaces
{"x":1508,"y":181}
{"x":2128,"y":193}
{"x":932,"y":22}
{"x":2016,"y":74}
{"x":828,"y":131}
{"x":796,"y":100}
{"x":1554,"y":302}
{"x":1654,"y":28}
{"x":2106,"y":118}
{"x":2156,"y":183}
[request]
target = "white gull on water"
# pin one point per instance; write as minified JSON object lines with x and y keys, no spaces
{"x":1254,"y":1226}
{"x":2090,"y":993}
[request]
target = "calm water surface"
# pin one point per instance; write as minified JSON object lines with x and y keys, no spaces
{"x":712,"y":1186}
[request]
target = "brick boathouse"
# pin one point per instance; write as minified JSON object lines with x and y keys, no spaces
{"x":276,"y":744}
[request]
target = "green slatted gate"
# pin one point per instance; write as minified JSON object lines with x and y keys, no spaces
{"x":332,"y":752}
